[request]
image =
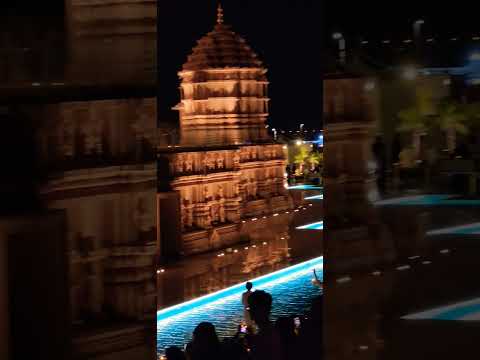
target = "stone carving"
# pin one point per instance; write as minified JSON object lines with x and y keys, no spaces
{"x":254,"y":188}
{"x":221,"y":212}
{"x":209,"y":162}
{"x":214,"y":213}
{"x":142,"y":217}
{"x":236,"y":159}
{"x":188,"y":163}
{"x":220,"y":161}
{"x":179,"y":164}
{"x":189,"y":216}
{"x":220,"y":193}
{"x":207,"y":194}
{"x":236,"y":189}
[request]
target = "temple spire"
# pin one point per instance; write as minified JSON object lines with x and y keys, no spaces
{"x":219,"y":14}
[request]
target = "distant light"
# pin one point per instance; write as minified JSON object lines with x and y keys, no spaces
{"x":475,"y":56}
{"x":235,"y":251}
{"x":264,"y":243}
{"x":410,"y":73}
{"x":386,"y":41}
{"x":36,"y":84}
{"x":369,"y":85}
{"x":420,"y":22}
{"x":276,"y":214}
{"x":476,"y":38}
{"x":364,"y":42}
{"x":285,"y":147}
{"x":298,"y":142}
{"x":430,"y":40}
{"x":407,"y":41}
{"x":453,"y":39}
{"x":254,"y":246}
{"x":447,"y":82}
{"x":337,"y":36}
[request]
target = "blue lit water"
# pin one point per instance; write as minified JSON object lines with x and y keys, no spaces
{"x":315,"y":197}
{"x":462,"y":311}
{"x":313,"y":226}
{"x":467,"y":229}
{"x":292,"y":293}
{"x":304,"y":187}
{"x":429,"y":200}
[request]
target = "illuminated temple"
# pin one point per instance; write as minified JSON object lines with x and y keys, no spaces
{"x":224,"y":167}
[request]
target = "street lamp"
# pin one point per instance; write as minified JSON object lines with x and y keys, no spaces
{"x":417,"y":35}
{"x":337,"y":36}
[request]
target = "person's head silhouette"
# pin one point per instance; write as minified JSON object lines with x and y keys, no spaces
{"x":174,"y":353}
{"x":249,"y":286}
{"x":260,"y":304}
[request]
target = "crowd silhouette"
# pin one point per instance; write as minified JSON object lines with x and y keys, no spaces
{"x":289,"y":338}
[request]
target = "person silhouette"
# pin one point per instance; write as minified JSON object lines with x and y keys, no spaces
{"x":266,"y":343}
{"x":245,"y":296}
{"x":316,"y":280}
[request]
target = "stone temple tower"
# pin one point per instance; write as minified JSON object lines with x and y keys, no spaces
{"x":223,"y":91}
{"x":225,"y":167}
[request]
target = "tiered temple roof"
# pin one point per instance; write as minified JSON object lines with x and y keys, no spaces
{"x":221,"y":48}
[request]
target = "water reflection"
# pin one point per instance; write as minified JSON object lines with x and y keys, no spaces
{"x":275,"y":243}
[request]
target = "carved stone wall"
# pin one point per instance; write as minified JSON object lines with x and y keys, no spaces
{"x":98,"y":156}
{"x":95,"y":133}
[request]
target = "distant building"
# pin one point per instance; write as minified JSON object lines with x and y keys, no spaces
{"x":224,"y":167}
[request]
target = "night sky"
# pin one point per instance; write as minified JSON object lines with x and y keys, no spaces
{"x":290,"y":37}
{"x":285,"y":35}
{"x":394,"y":19}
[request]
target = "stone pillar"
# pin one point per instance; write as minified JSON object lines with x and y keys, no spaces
{"x":232,"y":209}
{"x":202,"y":217}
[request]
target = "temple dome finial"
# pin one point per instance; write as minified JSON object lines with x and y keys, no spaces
{"x":219,"y":14}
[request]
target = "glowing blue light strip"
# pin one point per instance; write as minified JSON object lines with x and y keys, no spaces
{"x":315,"y":197}
{"x":313,"y":226}
{"x":472,"y":228}
{"x":304,"y":187}
{"x":458,"y":311}
{"x":280,"y":275}
{"x":433,"y":199}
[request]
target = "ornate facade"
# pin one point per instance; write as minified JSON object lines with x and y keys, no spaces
{"x":225,"y":167}
{"x":100,"y":170}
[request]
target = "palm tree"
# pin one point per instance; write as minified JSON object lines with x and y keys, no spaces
{"x":452,"y":118}
{"x":301,"y":157}
{"x":413,"y":121}
{"x":314,"y":160}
